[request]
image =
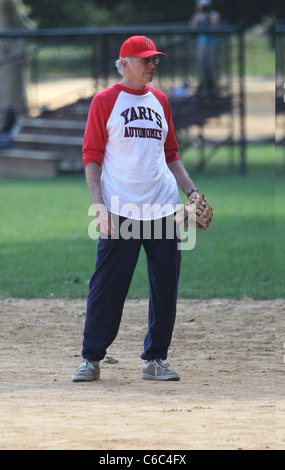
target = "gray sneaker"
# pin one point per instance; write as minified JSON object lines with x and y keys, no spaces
{"x":87,"y":371}
{"x":158,"y":370}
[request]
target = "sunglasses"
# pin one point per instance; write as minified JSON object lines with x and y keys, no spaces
{"x":148,"y":60}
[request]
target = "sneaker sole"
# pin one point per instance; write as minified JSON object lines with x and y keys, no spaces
{"x":162,"y":378}
{"x":85,"y":379}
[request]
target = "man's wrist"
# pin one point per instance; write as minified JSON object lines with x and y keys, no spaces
{"x":192,"y":191}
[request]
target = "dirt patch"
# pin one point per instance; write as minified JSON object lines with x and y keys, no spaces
{"x":230,"y":355}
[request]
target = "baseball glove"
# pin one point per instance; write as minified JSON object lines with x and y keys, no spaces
{"x":196,"y":209}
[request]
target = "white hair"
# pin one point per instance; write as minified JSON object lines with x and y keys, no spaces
{"x":119,"y":64}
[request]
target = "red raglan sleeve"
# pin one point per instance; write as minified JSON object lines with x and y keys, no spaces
{"x":170,"y":146}
{"x":96,"y":135}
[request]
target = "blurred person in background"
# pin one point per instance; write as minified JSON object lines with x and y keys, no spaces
{"x":204,"y":17}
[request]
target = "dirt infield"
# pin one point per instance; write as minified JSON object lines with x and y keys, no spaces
{"x":230,"y":355}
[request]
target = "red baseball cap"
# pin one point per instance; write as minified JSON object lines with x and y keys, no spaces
{"x":138,"y":46}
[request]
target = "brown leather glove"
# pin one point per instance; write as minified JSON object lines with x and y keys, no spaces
{"x":196,"y":209}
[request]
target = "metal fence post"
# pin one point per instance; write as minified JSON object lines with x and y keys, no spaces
{"x":243,"y":146}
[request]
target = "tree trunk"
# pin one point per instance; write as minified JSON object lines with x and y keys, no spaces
{"x":12,"y":59}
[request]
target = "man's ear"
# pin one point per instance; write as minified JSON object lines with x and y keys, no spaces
{"x":126,"y":64}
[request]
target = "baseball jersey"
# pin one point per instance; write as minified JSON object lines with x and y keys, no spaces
{"x":130,"y":134}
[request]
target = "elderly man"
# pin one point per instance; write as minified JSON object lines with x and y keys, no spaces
{"x":133,"y":173}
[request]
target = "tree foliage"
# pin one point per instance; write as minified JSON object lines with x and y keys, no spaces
{"x":74,"y":13}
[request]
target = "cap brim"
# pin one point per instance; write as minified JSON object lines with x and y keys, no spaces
{"x":149,"y":53}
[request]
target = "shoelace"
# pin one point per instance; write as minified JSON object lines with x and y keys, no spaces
{"x":162,"y":364}
{"x":86,"y":363}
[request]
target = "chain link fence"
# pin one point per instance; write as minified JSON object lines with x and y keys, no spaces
{"x":47,"y":70}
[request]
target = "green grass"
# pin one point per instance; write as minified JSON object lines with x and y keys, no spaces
{"x":45,"y":249}
{"x":236,"y":256}
{"x":259,"y":53}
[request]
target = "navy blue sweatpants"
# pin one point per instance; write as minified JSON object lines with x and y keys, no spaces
{"x":115,"y":264}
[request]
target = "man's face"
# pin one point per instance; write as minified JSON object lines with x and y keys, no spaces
{"x":143,"y":69}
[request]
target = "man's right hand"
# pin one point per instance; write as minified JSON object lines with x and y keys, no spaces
{"x":103,"y":219}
